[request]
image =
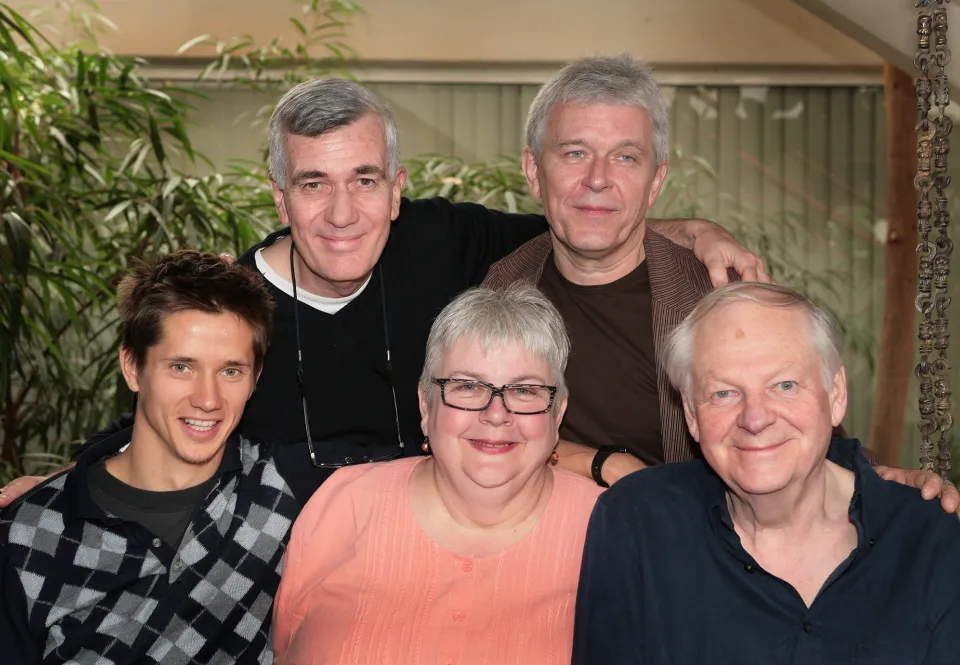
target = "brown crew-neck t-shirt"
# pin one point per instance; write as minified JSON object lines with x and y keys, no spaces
{"x":612,"y":372}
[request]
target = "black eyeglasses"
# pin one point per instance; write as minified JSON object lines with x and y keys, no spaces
{"x":526,"y":399}
{"x":348,"y":459}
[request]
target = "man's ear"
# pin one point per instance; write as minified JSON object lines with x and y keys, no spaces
{"x":690,"y":413}
{"x":658,"y":179}
{"x":256,"y":380}
{"x":398,"y":183}
{"x":128,"y":367}
{"x":530,"y":171}
{"x":838,"y":401}
{"x":278,"y":201}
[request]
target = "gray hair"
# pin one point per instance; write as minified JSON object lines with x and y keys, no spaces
{"x":318,"y":106}
{"x":494,"y":318}
{"x":825,"y":334}
{"x":618,"y":80}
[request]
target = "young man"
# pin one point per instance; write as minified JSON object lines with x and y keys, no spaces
{"x":164,"y":544}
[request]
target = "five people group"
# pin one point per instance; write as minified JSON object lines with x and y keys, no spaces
{"x":344,"y":450}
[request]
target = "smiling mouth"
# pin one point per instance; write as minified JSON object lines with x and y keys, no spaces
{"x":200,"y":425}
{"x":760,"y":449}
{"x":595,"y":209}
{"x":350,"y":239}
{"x":493,"y":448}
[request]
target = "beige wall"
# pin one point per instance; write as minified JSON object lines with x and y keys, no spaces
{"x":691,"y":32}
{"x":888,"y":28}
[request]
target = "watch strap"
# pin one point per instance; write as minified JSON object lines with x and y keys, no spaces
{"x":596,"y":468}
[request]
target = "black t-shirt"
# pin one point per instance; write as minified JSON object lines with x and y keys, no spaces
{"x":612,"y":371}
{"x":164,"y":514}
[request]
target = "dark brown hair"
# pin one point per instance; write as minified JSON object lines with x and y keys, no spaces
{"x":190,"y":280}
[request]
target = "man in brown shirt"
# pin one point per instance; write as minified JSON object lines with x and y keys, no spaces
{"x":604,"y":319}
{"x":597,"y":147}
{"x":597,"y":139}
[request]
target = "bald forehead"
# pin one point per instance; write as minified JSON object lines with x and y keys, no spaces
{"x":740,"y":323}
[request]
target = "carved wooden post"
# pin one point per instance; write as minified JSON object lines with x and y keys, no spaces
{"x":895,"y":363}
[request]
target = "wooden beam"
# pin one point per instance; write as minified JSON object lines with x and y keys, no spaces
{"x":898,"y":336}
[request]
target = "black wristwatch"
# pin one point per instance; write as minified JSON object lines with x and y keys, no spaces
{"x":602,"y":454}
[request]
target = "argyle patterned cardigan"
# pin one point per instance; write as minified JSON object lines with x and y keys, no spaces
{"x":80,"y":586}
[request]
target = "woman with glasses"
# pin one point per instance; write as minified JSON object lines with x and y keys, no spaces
{"x":468,"y":556}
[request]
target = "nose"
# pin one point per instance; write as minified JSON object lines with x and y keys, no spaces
{"x":341,"y":212}
{"x":496,"y":414}
{"x":206,"y":393}
{"x":597,"y":176}
{"x":755,"y":416}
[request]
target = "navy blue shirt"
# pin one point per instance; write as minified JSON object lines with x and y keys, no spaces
{"x":666,"y":580}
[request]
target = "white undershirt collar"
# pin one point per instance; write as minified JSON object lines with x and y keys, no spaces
{"x":326,"y":305}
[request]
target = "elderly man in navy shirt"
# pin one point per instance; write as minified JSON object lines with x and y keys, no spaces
{"x":783,"y":546}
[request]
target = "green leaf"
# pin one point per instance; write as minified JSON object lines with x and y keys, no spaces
{"x":81,"y":71}
{"x":190,"y":43}
{"x":140,"y":159}
{"x":511,"y":200}
{"x":117,"y":210}
{"x":158,"y":94}
{"x":17,"y":233}
{"x":298,"y":25}
{"x":25,"y":164}
{"x":171,"y":186}
{"x":156,"y":141}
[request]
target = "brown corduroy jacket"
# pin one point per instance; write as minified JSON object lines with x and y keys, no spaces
{"x":677,"y":283}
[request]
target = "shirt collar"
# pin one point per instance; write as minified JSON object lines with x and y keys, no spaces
{"x":871,"y":506}
{"x":874,"y":499}
{"x":84,"y":507}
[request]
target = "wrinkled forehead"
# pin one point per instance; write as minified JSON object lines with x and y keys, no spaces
{"x":625,"y":117}
{"x":364,"y":137}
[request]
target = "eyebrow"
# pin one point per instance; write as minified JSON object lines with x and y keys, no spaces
{"x":186,"y":360}
{"x":469,"y":375}
{"x":179,"y":359}
{"x":639,"y":145}
{"x":530,"y":377}
{"x":517,"y":379}
{"x":369,"y":169}
{"x":629,"y":143}
{"x":300,"y":176}
{"x":364,"y":169}
{"x":789,"y":369}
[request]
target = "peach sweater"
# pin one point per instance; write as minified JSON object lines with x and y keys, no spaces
{"x":364,"y":585}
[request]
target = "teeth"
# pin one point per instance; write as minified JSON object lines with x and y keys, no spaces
{"x":202,"y":425}
{"x":493,"y":445}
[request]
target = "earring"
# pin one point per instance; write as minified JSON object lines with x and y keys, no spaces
{"x":554,"y":458}
{"x":425,"y":446}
